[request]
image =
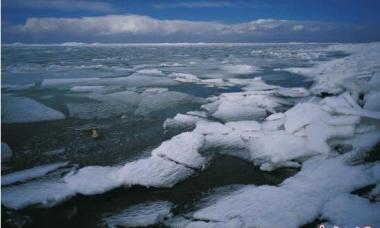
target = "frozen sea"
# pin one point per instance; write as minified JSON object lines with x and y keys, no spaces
{"x":59,"y":174}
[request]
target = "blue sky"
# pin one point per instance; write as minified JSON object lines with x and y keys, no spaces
{"x":56,"y":21}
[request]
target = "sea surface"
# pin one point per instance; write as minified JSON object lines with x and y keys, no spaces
{"x":126,"y":92}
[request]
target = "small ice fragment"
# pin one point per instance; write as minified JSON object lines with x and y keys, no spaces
{"x":6,"y":152}
{"x":27,"y":174}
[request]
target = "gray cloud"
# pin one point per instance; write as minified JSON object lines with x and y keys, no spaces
{"x":210,"y":4}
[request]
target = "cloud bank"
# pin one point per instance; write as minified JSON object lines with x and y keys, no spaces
{"x":138,"y":28}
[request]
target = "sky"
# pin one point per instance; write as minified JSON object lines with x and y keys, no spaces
{"x":149,"y":21}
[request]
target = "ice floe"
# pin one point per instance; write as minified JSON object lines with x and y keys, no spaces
{"x":141,"y":215}
{"x":24,"y":110}
{"x":240,"y":69}
{"x":27,"y":174}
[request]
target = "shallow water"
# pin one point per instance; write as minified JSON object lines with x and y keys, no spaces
{"x":126,"y":134}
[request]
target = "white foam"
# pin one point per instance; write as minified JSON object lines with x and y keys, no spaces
{"x":27,"y":174}
{"x":24,"y":110}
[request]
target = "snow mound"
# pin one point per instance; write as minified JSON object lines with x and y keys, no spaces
{"x":181,"y":121}
{"x":24,"y":110}
{"x":141,"y":215}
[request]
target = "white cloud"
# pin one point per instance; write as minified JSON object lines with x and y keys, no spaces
{"x":138,"y":28}
{"x":61,"y":5}
{"x":298,"y":27}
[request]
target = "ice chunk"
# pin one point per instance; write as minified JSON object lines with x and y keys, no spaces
{"x":295,"y":202}
{"x":141,"y":215}
{"x":153,"y":172}
{"x":182,"y":121}
{"x":277,"y":147}
{"x":45,"y":193}
{"x":240,"y":69}
{"x":27,"y":174}
{"x":86,"y":88}
{"x":272,"y":125}
{"x":6,"y":152}
{"x":92,"y":180}
{"x":151,"y":72}
{"x":303,"y":114}
{"x":208,"y":127}
{"x":152,"y":102}
{"x":59,"y":82}
{"x":183,"y":77}
{"x":372,"y":101}
{"x":24,"y":110}
{"x":257,"y":84}
{"x":184,"y":149}
{"x":348,"y":210}
{"x":232,"y":111}
{"x":293,"y":92}
{"x":244,"y":125}
{"x":275,"y":116}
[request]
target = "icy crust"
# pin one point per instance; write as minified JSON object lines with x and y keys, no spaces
{"x":348,"y":210}
{"x":141,"y":215}
{"x":297,"y":201}
{"x":24,"y":110}
{"x":27,"y":174}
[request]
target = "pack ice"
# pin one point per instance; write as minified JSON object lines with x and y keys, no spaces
{"x":270,"y":126}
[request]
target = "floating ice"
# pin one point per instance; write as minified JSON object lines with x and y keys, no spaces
{"x":151,"y":72}
{"x":244,"y":125}
{"x":292,"y":92}
{"x":372,"y":101}
{"x":6,"y":152}
{"x":141,"y":215}
{"x":27,"y":174}
{"x":348,"y":210}
{"x":45,"y":193}
{"x":239,"y":69}
{"x":24,"y":110}
{"x":183,"y":149}
{"x":295,"y":202}
{"x":232,"y":111}
{"x":153,"y":172}
{"x":85,"y":88}
{"x":181,"y":121}
{"x":92,"y":180}
{"x":183,"y":77}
